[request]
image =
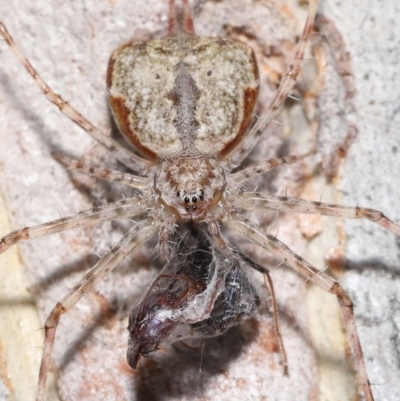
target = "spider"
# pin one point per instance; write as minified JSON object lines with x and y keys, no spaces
{"x":215,"y":201}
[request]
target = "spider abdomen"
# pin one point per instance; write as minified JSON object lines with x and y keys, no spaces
{"x":183,"y":95}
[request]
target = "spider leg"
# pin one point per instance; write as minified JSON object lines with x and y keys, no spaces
{"x":305,"y":269}
{"x":121,"y":209}
{"x":141,"y":233}
{"x":286,"y":85}
{"x":273,"y":307}
{"x":128,"y":158}
{"x":180,"y":19}
{"x":132,"y":180}
{"x":261,"y":168}
{"x":254,"y":201}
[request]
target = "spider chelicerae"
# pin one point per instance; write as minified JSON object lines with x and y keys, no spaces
{"x":193,"y":145}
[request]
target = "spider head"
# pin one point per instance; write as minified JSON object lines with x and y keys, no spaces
{"x":190,"y":186}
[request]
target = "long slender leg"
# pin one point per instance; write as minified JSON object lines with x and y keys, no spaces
{"x":265,"y":240}
{"x":282,"y":93}
{"x":255,"y":201}
{"x":273,"y":307}
{"x":261,"y":168}
{"x":141,"y":233}
{"x":121,"y":209}
{"x":220,"y":242}
{"x":132,"y":180}
{"x":274,"y":311}
{"x":131,"y":160}
{"x":180,"y":19}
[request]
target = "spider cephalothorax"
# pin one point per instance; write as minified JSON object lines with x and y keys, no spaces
{"x":190,"y":186}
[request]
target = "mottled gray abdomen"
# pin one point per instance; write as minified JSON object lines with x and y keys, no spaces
{"x":183,"y":95}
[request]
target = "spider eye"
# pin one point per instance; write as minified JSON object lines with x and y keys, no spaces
{"x":187,"y":200}
{"x":194,"y":199}
{"x":178,"y":194}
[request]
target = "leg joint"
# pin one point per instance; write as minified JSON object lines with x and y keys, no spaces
{"x":343,"y":298}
